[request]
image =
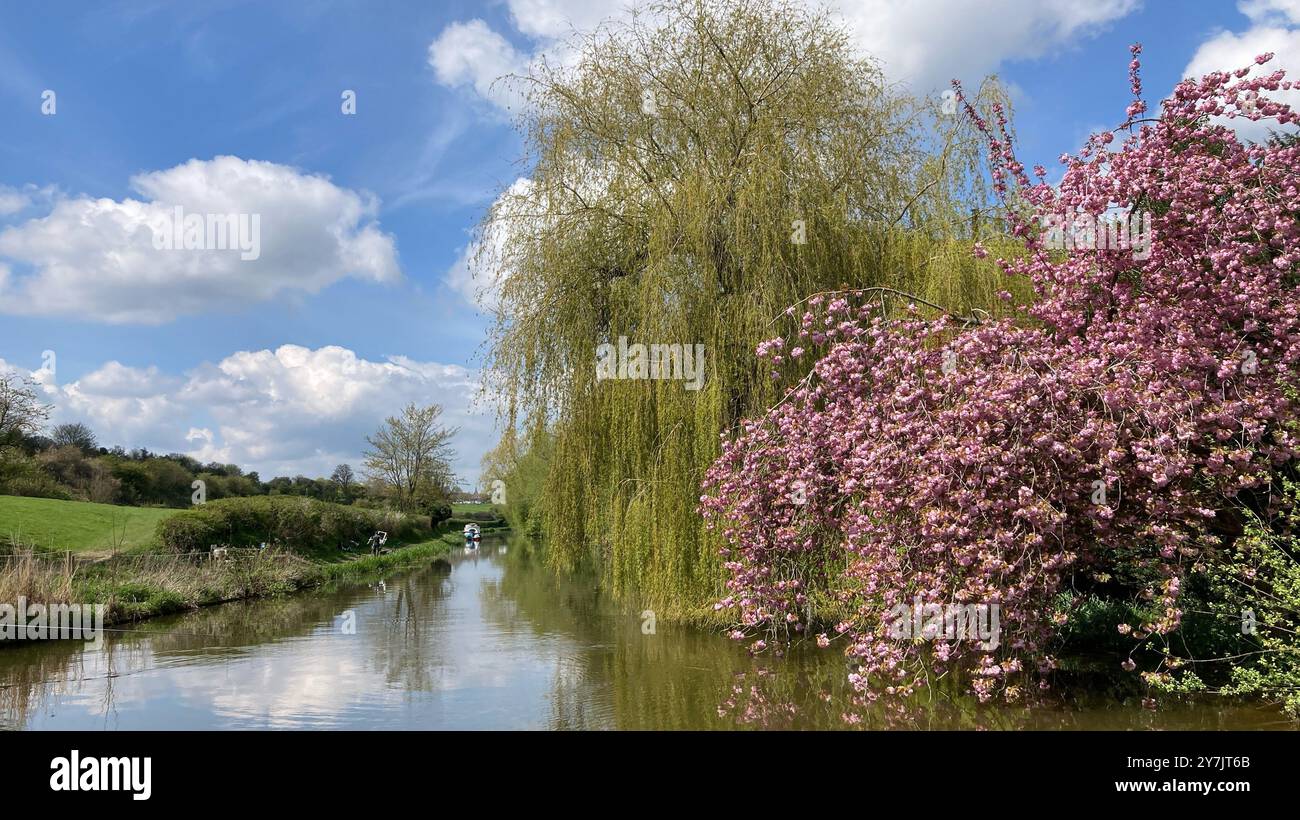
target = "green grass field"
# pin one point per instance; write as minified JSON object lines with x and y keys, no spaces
{"x":83,"y":527}
{"x":460,"y":508}
{"x":79,"y":526}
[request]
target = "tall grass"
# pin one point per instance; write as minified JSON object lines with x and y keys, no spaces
{"x":37,"y":579}
{"x":132,"y":587}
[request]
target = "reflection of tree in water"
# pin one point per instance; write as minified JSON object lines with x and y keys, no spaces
{"x":690,"y":679}
{"x":778,"y":699}
{"x":405,"y":630}
{"x":32,"y":675}
{"x":809,"y":693}
{"x":24,"y":673}
{"x":236,"y":629}
{"x":616,"y":675}
{"x":606,"y":673}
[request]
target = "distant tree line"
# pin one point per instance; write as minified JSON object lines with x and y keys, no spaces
{"x":68,"y":462}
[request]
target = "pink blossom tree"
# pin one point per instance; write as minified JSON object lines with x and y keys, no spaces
{"x":1111,"y":432}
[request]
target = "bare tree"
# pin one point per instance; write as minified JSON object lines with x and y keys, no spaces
{"x":75,"y":435}
{"x":411,"y":454}
{"x":22,"y":413}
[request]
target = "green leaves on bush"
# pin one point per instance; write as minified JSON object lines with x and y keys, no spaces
{"x":298,"y":524}
{"x":1253,"y":593}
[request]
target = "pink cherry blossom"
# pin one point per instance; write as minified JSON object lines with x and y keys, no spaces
{"x":1106,"y":430}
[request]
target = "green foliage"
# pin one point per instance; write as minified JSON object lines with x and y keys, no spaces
{"x":169,"y":482}
{"x":1094,"y":621}
{"x":438,"y":511}
{"x":770,"y":164}
{"x":523,"y":467}
{"x":298,"y":524}
{"x":136,"y":600}
{"x":367,"y":564}
{"x":68,"y":467}
{"x":21,"y":474}
{"x":1253,"y":585}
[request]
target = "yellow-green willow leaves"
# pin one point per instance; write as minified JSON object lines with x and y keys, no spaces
{"x":699,"y":169}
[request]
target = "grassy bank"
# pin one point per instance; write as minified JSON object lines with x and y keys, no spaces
{"x":82,"y":527}
{"x":367,"y":564}
{"x":135,"y":587}
{"x":149,"y":580}
{"x":100,"y":530}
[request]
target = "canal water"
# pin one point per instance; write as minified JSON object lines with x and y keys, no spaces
{"x":486,"y":640}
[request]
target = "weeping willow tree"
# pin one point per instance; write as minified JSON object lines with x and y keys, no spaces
{"x":695,"y":171}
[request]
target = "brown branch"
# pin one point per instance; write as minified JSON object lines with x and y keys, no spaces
{"x":970,"y":320}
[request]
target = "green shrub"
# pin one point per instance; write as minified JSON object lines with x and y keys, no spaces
{"x":141,"y":600}
{"x":438,"y":512}
{"x":289,"y":522}
{"x":21,"y":474}
{"x":1246,"y":639}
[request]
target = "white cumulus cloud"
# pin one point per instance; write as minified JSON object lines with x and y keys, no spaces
{"x":12,"y":200}
{"x":288,"y":411}
{"x":472,"y":54}
{"x":95,"y":258}
{"x":475,"y":276}
{"x":1274,"y":27}
{"x":923,"y":43}
{"x":927,"y":43}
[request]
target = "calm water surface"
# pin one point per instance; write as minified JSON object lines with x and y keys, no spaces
{"x":484,"y":640}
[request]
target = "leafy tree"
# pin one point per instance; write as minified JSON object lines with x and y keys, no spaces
{"x":22,"y":474}
{"x":133,"y":480}
{"x":1251,"y":604}
{"x":240,"y":485}
{"x":169,"y":482}
{"x":306,"y":487}
{"x":36,"y":444}
{"x":190,"y":464}
{"x":438,"y":512}
{"x":102,"y":487}
{"x":411,"y":454}
{"x":68,"y":465}
{"x":700,"y":168}
{"x":1119,"y":437}
{"x":344,"y":479}
{"x":216,"y":485}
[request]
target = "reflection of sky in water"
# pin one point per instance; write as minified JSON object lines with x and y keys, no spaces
{"x":487,"y":643}
{"x":425,"y":655}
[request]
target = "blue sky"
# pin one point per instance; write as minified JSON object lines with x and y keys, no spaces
{"x":285,"y":368}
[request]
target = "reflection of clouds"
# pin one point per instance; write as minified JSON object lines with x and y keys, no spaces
{"x":286,"y":689}
{"x":425,"y":655}
{"x":493,"y":645}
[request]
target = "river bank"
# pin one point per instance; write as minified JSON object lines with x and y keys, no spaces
{"x":180,"y":570}
{"x":138,"y":587}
